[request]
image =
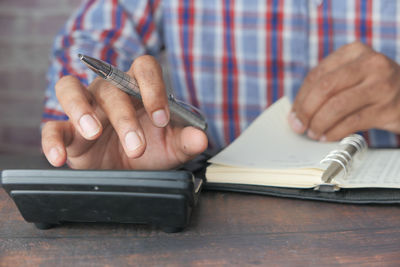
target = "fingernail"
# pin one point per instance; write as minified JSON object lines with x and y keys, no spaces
{"x":160,"y":118}
{"x":311,"y":134}
{"x":323,"y":138}
{"x":54,"y":155}
{"x":295,"y":123}
{"x":89,"y":125}
{"x":132,"y":141}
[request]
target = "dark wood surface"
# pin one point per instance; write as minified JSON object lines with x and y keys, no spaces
{"x":225,"y":229}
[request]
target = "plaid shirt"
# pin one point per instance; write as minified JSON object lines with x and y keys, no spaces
{"x":230,"y":58}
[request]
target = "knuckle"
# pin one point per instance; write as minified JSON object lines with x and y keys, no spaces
{"x":147,"y":71}
{"x":356,"y":45}
{"x":96,"y":83}
{"x":63,"y":82}
{"x":47,"y":126}
{"x":101,"y":90}
{"x":124,"y":121}
{"x":48,"y":129}
{"x":325,"y":88}
{"x":143,"y":62}
{"x":75,"y":109}
{"x":380,"y":61}
{"x":325,"y":85}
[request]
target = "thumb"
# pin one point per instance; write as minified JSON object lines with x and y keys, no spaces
{"x":190,"y":142}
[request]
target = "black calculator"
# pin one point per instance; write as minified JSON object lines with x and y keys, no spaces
{"x":47,"y":197}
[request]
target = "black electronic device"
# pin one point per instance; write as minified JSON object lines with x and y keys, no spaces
{"x":47,"y":197}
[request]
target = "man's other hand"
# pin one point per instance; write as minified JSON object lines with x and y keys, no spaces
{"x":353,"y":89}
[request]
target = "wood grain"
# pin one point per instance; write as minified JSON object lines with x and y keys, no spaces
{"x":226,"y":229}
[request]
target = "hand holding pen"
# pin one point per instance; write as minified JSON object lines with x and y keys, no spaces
{"x":109,"y":129}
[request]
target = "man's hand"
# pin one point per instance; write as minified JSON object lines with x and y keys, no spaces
{"x":353,"y":89}
{"x":107,"y":129}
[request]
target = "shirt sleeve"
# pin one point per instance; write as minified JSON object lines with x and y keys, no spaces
{"x":114,"y":31}
{"x":381,"y":139}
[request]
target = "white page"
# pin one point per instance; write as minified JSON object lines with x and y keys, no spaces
{"x":270,"y":143}
{"x":378,"y":168}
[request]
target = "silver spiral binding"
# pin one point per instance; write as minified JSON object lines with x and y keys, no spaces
{"x":341,"y":160}
{"x":356,"y":141}
{"x":342,"y":157}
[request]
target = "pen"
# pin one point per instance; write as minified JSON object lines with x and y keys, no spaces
{"x":181,"y":113}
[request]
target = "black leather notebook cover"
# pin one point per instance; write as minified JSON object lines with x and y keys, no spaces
{"x":354,"y":196}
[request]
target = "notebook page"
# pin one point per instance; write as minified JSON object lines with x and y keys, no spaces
{"x":270,"y":143}
{"x":378,"y":168}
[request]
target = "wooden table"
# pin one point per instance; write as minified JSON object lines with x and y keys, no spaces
{"x":225,"y":229}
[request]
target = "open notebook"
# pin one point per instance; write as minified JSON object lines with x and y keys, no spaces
{"x":268,"y":156}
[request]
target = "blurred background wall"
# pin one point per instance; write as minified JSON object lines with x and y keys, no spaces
{"x":27,"y":29}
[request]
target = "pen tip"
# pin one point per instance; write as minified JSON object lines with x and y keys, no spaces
{"x":80,"y":56}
